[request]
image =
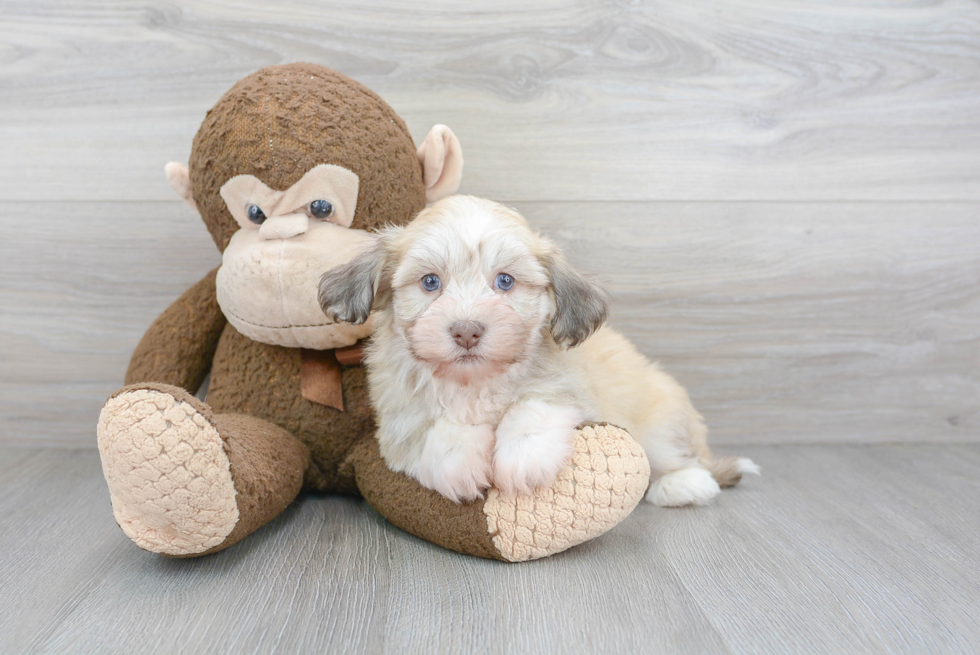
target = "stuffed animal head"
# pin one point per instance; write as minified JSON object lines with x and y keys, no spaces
{"x":289,"y":171}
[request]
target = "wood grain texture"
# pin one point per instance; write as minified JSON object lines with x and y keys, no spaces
{"x":788,"y":322}
{"x":808,"y":322}
{"x":555,"y":100}
{"x":804,"y":320}
{"x":832,"y":550}
{"x":78,"y":289}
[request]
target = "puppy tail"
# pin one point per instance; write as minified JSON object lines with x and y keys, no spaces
{"x":728,"y":471}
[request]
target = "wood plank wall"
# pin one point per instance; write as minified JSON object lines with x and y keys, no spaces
{"x":784,"y":196}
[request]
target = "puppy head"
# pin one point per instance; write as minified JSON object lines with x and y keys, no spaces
{"x":469,"y":286}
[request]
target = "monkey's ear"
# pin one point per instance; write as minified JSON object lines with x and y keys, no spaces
{"x":180,"y":179}
{"x":581,"y":305}
{"x":347,"y":293}
{"x":442,"y":163}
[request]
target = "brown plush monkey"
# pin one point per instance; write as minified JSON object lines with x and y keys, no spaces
{"x":288,"y":171}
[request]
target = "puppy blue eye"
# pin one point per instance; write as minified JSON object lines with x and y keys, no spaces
{"x":431,"y":282}
{"x":504,"y":282}
{"x":255,"y":214}
{"x":321,"y":209}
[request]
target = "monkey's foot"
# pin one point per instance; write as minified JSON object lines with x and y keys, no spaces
{"x":607,"y":477}
{"x":168,"y":473}
{"x":604,"y":481}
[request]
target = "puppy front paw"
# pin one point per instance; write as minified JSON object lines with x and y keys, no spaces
{"x":534,"y":443}
{"x":456,"y":460}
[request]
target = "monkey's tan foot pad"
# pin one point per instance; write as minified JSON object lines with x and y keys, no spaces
{"x":607,"y":477}
{"x":169,"y":477}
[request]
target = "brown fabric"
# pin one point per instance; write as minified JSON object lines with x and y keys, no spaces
{"x":351,"y":355}
{"x":320,"y":378}
{"x":281,"y":121}
{"x":178,"y":347}
{"x":276,"y":125}
{"x":420,"y":511}
{"x":265,"y":381}
{"x":267,"y":467}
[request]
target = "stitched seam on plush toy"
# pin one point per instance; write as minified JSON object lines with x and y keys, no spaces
{"x":276,"y":327}
{"x":282,"y":287}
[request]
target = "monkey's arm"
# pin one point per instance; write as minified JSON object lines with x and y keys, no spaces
{"x":178,"y":347}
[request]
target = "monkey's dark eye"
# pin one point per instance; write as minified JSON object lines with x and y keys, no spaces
{"x":504,"y":282}
{"x":431,"y":282}
{"x":255,"y":214}
{"x":321,"y":209}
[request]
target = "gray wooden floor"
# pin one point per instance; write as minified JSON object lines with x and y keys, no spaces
{"x":783,"y":196}
{"x":836,"y":549}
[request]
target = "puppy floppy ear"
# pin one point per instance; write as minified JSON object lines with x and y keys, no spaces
{"x":581,"y":305}
{"x":348,"y":293}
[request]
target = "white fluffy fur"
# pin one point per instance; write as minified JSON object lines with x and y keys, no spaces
{"x":746,"y":465}
{"x":455,"y":459}
{"x":689,"y":486}
{"x":533,"y":445}
{"x":505,"y":411}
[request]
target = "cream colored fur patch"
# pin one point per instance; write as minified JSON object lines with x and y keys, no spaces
{"x":169,"y":477}
{"x":608,"y":476}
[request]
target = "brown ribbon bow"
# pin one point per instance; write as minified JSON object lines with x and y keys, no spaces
{"x":320,"y":373}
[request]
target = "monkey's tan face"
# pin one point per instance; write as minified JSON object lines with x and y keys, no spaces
{"x":267,"y":283}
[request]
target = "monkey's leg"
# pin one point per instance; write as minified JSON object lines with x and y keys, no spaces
{"x":184,"y":481}
{"x":605,"y":480}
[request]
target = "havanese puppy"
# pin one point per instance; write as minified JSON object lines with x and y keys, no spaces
{"x":488,"y":352}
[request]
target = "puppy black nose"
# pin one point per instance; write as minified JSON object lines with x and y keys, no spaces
{"x":466,"y":333}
